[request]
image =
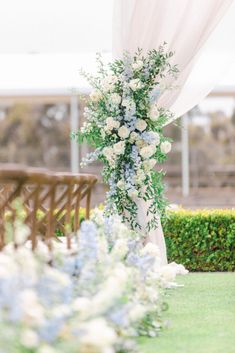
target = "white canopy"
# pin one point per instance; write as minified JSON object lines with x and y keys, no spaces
{"x":55,"y":26}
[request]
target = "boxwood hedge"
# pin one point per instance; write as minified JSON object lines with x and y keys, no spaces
{"x":202,"y":240}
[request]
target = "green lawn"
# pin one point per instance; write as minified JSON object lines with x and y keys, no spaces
{"x":201,"y":315}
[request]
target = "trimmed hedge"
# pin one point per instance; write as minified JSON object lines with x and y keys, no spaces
{"x":202,"y":240}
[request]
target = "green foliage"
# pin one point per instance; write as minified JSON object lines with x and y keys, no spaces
{"x":202,"y":240}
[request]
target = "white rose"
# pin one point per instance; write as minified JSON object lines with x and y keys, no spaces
{"x":109,"y":82}
{"x":147,"y":152}
{"x":121,"y":184}
{"x":140,"y":143}
{"x":135,"y":84}
{"x":165,"y":147}
{"x":123,"y":132}
{"x":137,"y":65}
{"x":115,"y":99}
{"x":108,"y":152}
{"x":149,"y":164}
{"x":119,"y":147}
{"x":133,"y":137}
{"x":154,"y":113}
{"x":111,"y":123}
{"x":95,"y":96}
{"x":141,"y":125}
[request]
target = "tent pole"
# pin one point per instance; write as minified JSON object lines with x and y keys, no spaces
{"x":185,"y":156}
{"x":74,"y":119}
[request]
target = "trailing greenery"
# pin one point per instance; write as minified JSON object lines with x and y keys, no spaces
{"x":202,"y":240}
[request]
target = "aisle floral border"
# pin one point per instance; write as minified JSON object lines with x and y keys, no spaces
{"x":125,"y":125}
{"x":95,"y":297}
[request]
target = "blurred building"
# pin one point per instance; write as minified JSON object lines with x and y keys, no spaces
{"x":35,"y":130}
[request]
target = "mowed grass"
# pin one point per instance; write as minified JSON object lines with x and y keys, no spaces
{"x":201,"y":316}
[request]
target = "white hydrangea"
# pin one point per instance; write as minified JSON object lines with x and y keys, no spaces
{"x":119,"y":147}
{"x":154,"y":113}
{"x":141,"y":125}
{"x":135,"y":84}
{"x":96,"y":96}
{"x":165,"y":147}
{"x":156,"y":137}
{"x":115,"y":99}
{"x":147,"y":152}
{"x":123,"y":132}
{"x":137,"y":65}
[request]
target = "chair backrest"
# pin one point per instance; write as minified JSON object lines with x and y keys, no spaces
{"x":50,"y":201}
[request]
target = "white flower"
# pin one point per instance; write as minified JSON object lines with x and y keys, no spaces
{"x":156,"y":137}
{"x":154,"y":113}
{"x":137,"y":312}
{"x":120,"y":248}
{"x":29,"y":339}
{"x":108,"y":152}
{"x":82,"y":304}
{"x":165,"y":147}
{"x":140,"y":176}
{"x":135,"y":84}
{"x":111,"y":123}
{"x":137,"y":65}
{"x":132,"y":193}
{"x":147,"y":152}
{"x":151,"y":249}
{"x":121,"y":184}
{"x":97,"y":336}
{"x":141,"y":125}
{"x":115,"y":99}
{"x":109,"y":82}
{"x":140,"y":143}
{"x":46,"y":349}
{"x":133,"y":137}
{"x":33,"y":312}
{"x":149,"y":164}
{"x":95,"y":96}
{"x":168,"y":273}
{"x":127,"y":102}
{"x":123,"y":132}
{"x":119,"y":147}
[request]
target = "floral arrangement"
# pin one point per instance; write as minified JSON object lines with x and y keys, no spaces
{"x":124,"y":123}
{"x":92,"y":298}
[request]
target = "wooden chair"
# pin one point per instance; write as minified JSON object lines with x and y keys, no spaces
{"x":50,"y":201}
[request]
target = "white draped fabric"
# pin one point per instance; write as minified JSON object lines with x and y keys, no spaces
{"x":190,"y":29}
{"x":194,"y":30}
